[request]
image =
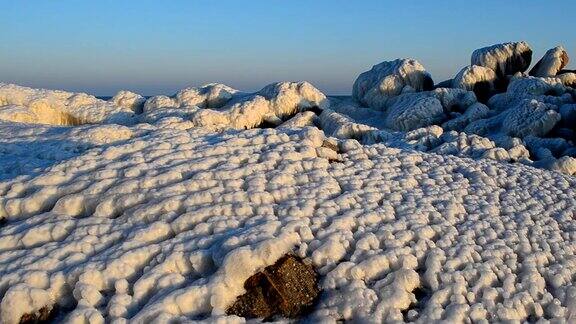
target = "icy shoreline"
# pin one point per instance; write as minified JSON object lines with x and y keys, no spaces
{"x":414,"y":204}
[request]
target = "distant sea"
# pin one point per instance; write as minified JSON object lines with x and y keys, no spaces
{"x":110,"y":97}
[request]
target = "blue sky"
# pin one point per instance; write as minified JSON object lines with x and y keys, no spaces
{"x":155,"y":47}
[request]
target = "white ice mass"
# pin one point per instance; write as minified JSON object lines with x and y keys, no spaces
{"x":415,"y":203}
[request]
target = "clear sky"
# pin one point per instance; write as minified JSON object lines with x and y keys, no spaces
{"x":155,"y":47}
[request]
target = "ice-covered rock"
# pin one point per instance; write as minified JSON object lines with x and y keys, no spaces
{"x":546,"y":90}
{"x":161,"y":101}
{"x":415,"y":110}
{"x":22,"y":299}
{"x":412,"y":111}
{"x":504,"y":59}
{"x":56,"y":107}
{"x":474,"y":112}
{"x":342,"y":126}
{"x":272,"y":105}
{"x":288,"y":98}
{"x":388,"y":79}
{"x":568,"y":78}
{"x":528,"y":117}
{"x":213,"y":95}
{"x":130,"y":100}
{"x":565,"y":164}
{"x":476,"y":78}
{"x":302,"y":119}
{"x":219,"y":106}
{"x":551,"y":63}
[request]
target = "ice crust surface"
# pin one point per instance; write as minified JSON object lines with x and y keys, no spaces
{"x":169,"y":224}
{"x":413,"y":204}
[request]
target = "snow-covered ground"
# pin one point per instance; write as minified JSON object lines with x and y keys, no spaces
{"x":414,"y":203}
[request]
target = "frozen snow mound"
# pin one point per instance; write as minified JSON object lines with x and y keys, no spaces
{"x":551,"y":63}
{"x":167,"y":225}
{"x":388,"y":79}
{"x":54,"y":107}
{"x":504,"y":59}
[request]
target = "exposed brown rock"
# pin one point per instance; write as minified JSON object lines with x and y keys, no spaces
{"x":331,"y":145}
{"x":43,"y":315}
{"x":565,"y":60}
{"x":551,"y":64}
{"x":289,"y":288}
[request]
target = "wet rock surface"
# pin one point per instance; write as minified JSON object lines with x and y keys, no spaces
{"x":289,"y":288}
{"x":43,"y":315}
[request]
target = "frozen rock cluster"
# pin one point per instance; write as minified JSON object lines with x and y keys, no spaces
{"x":168,"y":224}
{"x":490,"y":109}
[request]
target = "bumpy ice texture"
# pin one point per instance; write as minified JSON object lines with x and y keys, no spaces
{"x":167,"y":226}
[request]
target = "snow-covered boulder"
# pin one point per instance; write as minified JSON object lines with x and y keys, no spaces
{"x":479,"y":79}
{"x":551,"y":63}
{"x":130,"y":100}
{"x":504,"y":59}
{"x":389,"y":79}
